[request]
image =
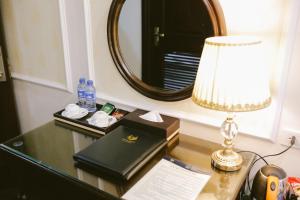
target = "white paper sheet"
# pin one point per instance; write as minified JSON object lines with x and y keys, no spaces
{"x":168,"y":181}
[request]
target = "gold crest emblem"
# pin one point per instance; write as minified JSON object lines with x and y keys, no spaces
{"x":131,"y":138}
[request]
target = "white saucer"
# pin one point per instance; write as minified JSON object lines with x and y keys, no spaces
{"x":83,"y":112}
{"x":101,"y":122}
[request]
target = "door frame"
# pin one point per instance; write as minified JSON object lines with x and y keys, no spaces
{"x":10,"y":125}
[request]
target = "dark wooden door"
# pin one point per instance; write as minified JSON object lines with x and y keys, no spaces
{"x":152,"y":11}
{"x":9,"y":124}
{"x":173,"y":36}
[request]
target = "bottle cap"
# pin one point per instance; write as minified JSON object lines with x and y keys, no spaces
{"x":82,"y":80}
{"x":90,"y":82}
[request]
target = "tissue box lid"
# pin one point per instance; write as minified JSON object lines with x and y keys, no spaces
{"x":169,"y":127}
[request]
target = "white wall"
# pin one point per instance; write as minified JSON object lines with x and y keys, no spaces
{"x":266,"y":19}
{"x":87,"y":39}
{"x":119,"y":91}
{"x":267,"y":22}
{"x":34,"y":41}
{"x":37,"y":97}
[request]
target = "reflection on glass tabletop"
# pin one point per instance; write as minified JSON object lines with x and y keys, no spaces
{"x":54,"y":144}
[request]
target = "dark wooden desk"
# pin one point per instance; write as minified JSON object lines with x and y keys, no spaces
{"x":43,"y":167}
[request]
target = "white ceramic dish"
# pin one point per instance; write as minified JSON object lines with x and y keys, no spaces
{"x":75,"y":115}
{"x":101,"y":119}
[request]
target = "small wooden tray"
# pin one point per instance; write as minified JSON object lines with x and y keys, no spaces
{"x":83,"y":123}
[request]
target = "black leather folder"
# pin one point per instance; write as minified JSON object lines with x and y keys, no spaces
{"x":120,"y":154}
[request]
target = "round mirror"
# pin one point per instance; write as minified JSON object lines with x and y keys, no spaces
{"x":156,"y":44}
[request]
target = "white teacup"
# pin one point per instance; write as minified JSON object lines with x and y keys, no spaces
{"x":73,"y":111}
{"x":72,"y":107}
{"x":101,"y":119}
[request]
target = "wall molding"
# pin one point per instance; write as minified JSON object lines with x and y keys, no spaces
{"x":203,"y":119}
{"x":38,"y":81}
{"x":295,"y":132}
{"x":89,"y":38}
{"x":68,"y":86}
{"x":286,"y":136}
{"x":288,"y":45}
{"x":66,"y":45}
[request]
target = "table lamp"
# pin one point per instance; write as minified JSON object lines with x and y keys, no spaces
{"x":231,"y":77}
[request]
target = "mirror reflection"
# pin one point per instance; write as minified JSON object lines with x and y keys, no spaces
{"x":161,"y":40}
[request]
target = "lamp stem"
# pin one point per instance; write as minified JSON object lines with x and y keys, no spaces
{"x":226,"y":159}
{"x":229,"y":130}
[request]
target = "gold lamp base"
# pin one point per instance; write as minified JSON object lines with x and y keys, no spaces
{"x":226,"y":160}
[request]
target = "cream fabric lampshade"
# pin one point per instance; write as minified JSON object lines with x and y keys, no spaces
{"x":231,"y":75}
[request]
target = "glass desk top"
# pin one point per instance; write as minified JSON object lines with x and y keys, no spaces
{"x":54,"y":144}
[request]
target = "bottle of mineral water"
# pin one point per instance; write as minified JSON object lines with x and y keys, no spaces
{"x":81,"y":92}
{"x":90,"y":96}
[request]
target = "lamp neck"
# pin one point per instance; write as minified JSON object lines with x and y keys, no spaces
{"x":229,"y":130}
{"x":230,"y":116}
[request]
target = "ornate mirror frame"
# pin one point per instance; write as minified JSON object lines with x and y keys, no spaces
{"x":217,"y":19}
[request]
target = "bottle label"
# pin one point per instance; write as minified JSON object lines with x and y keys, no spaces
{"x":90,"y":96}
{"x":81,"y":93}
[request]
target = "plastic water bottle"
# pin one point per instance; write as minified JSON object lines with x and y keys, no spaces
{"x":90,"y":96}
{"x":81,"y":92}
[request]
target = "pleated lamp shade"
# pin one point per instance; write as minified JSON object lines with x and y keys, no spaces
{"x":231,"y":76}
